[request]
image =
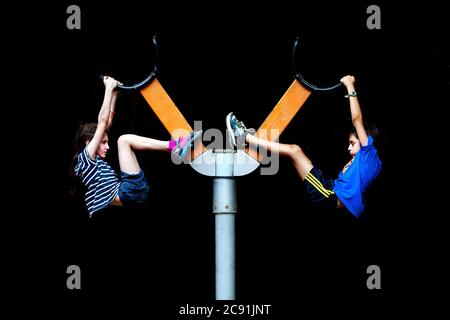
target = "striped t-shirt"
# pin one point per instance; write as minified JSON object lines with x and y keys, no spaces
{"x":100,"y":180}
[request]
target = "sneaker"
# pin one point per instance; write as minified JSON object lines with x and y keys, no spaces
{"x":182,"y":144}
{"x":236,"y":130}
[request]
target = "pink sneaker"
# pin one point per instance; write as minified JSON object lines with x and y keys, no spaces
{"x":182,"y":144}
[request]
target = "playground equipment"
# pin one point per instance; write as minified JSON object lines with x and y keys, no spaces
{"x":225,"y":164}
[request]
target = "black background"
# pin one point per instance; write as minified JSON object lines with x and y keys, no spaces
{"x":216,"y":58}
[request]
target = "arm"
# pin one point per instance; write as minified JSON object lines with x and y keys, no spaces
{"x":355,"y":109}
{"x":112,"y":110}
{"x":103,"y":116}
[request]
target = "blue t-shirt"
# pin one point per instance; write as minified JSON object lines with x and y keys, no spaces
{"x":99,"y":178}
{"x":351,"y":184}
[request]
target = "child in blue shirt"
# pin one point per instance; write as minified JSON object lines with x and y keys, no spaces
{"x":347,"y":190}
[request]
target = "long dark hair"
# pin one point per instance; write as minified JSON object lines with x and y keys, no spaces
{"x":85,"y":132}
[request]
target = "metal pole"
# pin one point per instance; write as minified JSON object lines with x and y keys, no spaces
{"x":224,"y":209}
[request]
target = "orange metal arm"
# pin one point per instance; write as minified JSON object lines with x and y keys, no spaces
{"x":167,"y":112}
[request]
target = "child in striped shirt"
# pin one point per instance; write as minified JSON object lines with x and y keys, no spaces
{"x":103,"y":186}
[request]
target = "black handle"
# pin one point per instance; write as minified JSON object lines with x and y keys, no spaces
{"x":149,"y":78}
{"x":300,"y":78}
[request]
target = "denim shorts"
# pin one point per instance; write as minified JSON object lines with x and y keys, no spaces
{"x":134,"y":188}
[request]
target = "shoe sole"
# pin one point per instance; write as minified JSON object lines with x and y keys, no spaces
{"x":230,"y":130}
{"x":189,"y":144}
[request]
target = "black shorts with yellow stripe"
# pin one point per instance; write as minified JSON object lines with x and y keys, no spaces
{"x":319,"y":189}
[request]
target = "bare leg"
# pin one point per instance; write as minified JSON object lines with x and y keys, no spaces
{"x":129,"y":143}
{"x":301,"y":162}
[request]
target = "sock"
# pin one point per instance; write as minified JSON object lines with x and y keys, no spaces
{"x":181,"y":141}
{"x":172,"y":144}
